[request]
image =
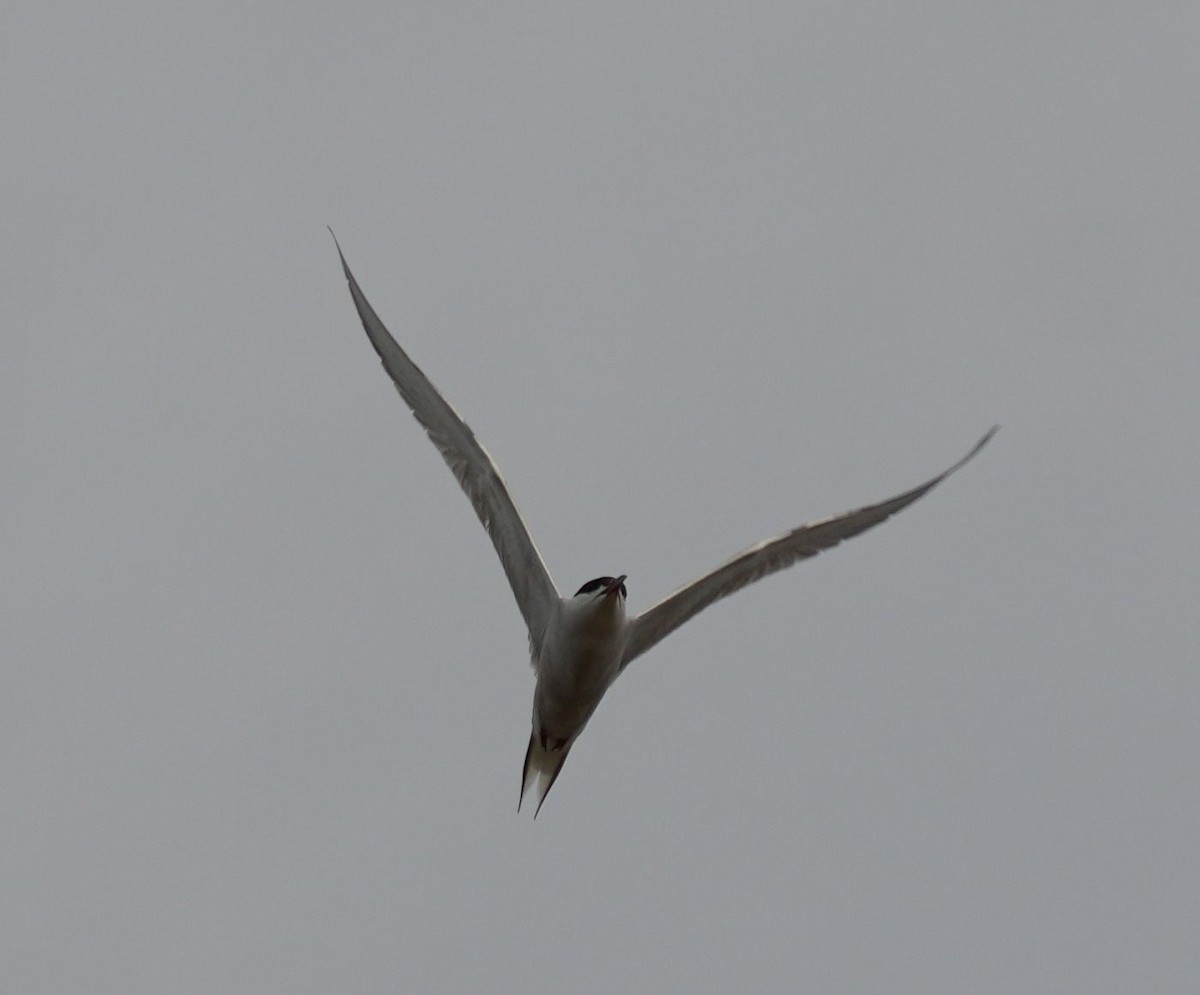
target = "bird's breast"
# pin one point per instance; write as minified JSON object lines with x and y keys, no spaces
{"x":580,"y":658}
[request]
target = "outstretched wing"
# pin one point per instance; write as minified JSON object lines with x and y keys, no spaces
{"x":471,"y":465}
{"x":766,"y":558}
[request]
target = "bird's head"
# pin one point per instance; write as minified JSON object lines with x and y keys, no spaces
{"x":603,"y":588}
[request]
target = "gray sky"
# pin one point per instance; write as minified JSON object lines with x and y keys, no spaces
{"x":694,"y":275}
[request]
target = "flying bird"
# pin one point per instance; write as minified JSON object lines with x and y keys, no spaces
{"x":579,"y":645}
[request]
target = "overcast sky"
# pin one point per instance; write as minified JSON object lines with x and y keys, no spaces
{"x":694,"y":274}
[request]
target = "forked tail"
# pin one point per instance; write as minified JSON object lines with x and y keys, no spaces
{"x":542,"y":764}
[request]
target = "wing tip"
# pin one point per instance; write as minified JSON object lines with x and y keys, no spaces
{"x":341,"y":255}
{"x":987,"y":437}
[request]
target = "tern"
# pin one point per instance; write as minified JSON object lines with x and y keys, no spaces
{"x":579,"y":645}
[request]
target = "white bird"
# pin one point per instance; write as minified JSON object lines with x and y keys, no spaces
{"x":579,"y":645}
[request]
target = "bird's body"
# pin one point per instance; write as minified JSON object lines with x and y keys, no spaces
{"x":580,"y":645}
{"x":580,"y":657}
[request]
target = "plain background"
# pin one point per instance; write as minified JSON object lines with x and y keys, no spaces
{"x":695,"y":274}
